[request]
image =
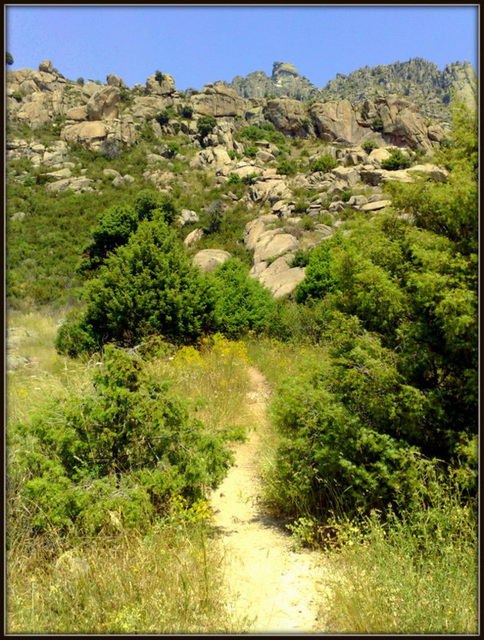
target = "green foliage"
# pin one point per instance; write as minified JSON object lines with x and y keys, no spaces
{"x":333,"y":460}
{"x":449,"y":209}
{"x":8,"y":58}
{"x":159,"y":77}
{"x":148,"y":286}
{"x":318,"y":280}
{"x":121,"y":221}
{"x":369,"y":145}
{"x":113,"y":230}
{"x":162,"y":117}
{"x":251,"y":152}
{"x":396,"y":303}
{"x":233,"y":179}
{"x":397,"y":160}
{"x":286,"y":167}
{"x":324,"y":163}
{"x":187,"y":111}
{"x":266,"y":132}
{"x":206,"y":124}
{"x":125,"y":448}
{"x":80,"y":81}
{"x":243,"y":304}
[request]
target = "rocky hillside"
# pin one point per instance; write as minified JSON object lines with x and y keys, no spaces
{"x":275,"y":175}
{"x":417,"y":80}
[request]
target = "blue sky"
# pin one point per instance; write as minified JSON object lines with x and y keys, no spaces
{"x":197,"y":44}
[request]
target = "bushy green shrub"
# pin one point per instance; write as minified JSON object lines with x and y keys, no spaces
{"x":187,"y":111}
{"x":123,"y":449}
{"x":148,"y":286}
{"x":206,"y":124}
{"x":234,"y":178}
{"x":162,"y":117}
{"x":332,"y":460}
{"x":243,"y":304}
{"x":397,"y":160}
{"x":120,"y":221}
{"x":324,"y":163}
{"x":286,"y":167}
{"x":319,"y":279}
{"x":251,"y":151}
{"x":369,"y":145}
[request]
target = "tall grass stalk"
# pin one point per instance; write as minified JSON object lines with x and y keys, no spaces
{"x":165,"y":581}
{"x":414,"y":574}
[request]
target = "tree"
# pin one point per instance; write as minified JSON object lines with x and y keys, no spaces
{"x":242,"y":303}
{"x":397,"y":160}
{"x":120,"y":221}
{"x":206,"y":124}
{"x":8,"y":58}
{"x":147,"y":287}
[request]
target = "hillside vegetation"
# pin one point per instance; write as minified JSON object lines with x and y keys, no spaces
{"x":158,"y":243}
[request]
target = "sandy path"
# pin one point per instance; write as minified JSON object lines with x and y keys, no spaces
{"x":270,"y":586}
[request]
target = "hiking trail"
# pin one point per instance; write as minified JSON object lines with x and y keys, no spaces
{"x":271,"y":587}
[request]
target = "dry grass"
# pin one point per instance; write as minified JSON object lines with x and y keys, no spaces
{"x":165,"y":582}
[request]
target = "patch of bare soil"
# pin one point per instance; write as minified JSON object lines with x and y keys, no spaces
{"x":271,"y":587}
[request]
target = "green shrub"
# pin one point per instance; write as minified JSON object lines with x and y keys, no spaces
{"x":330,"y":462}
{"x":162,"y":117}
{"x":206,"y":124}
{"x":125,"y":448}
{"x":287,"y":167}
{"x":324,"y":163}
{"x":397,"y":160}
{"x":234,"y":178}
{"x":148,"y":286}
{"x":319,"y":279}
{"x":300,"y":206}
{"x":159,"y":77}
{"x":369,"y":145}
{"x":187,"y":111}
{"x":251,"y":152}
{"x":80,"y":81}
{"x":243,"y":304}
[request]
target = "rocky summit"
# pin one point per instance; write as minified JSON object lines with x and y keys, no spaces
{"x":286,"y":162}
{"x":417,"y":80}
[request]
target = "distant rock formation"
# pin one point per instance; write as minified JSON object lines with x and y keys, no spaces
{"x":417,"y":80}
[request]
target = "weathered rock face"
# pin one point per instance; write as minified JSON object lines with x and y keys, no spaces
{"x":284,"y":81}
{"x":115,"y":81}
{"x":289,"y":117}
{"x":402,"y":125}
{"x":46,"y":66}
{"x":165,"y":87}
{"x":337,"y":122}
{"x":104,"y":104}
{"x":218,"y":101}
{"x":279,"y":277}
{"x":209,"y":259}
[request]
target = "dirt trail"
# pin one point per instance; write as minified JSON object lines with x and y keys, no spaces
{"x":270,"y":586}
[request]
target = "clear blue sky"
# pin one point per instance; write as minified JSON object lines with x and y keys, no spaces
{"x":204,"y":43}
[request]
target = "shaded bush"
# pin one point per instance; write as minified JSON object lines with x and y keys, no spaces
{"x":206,"y":124}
